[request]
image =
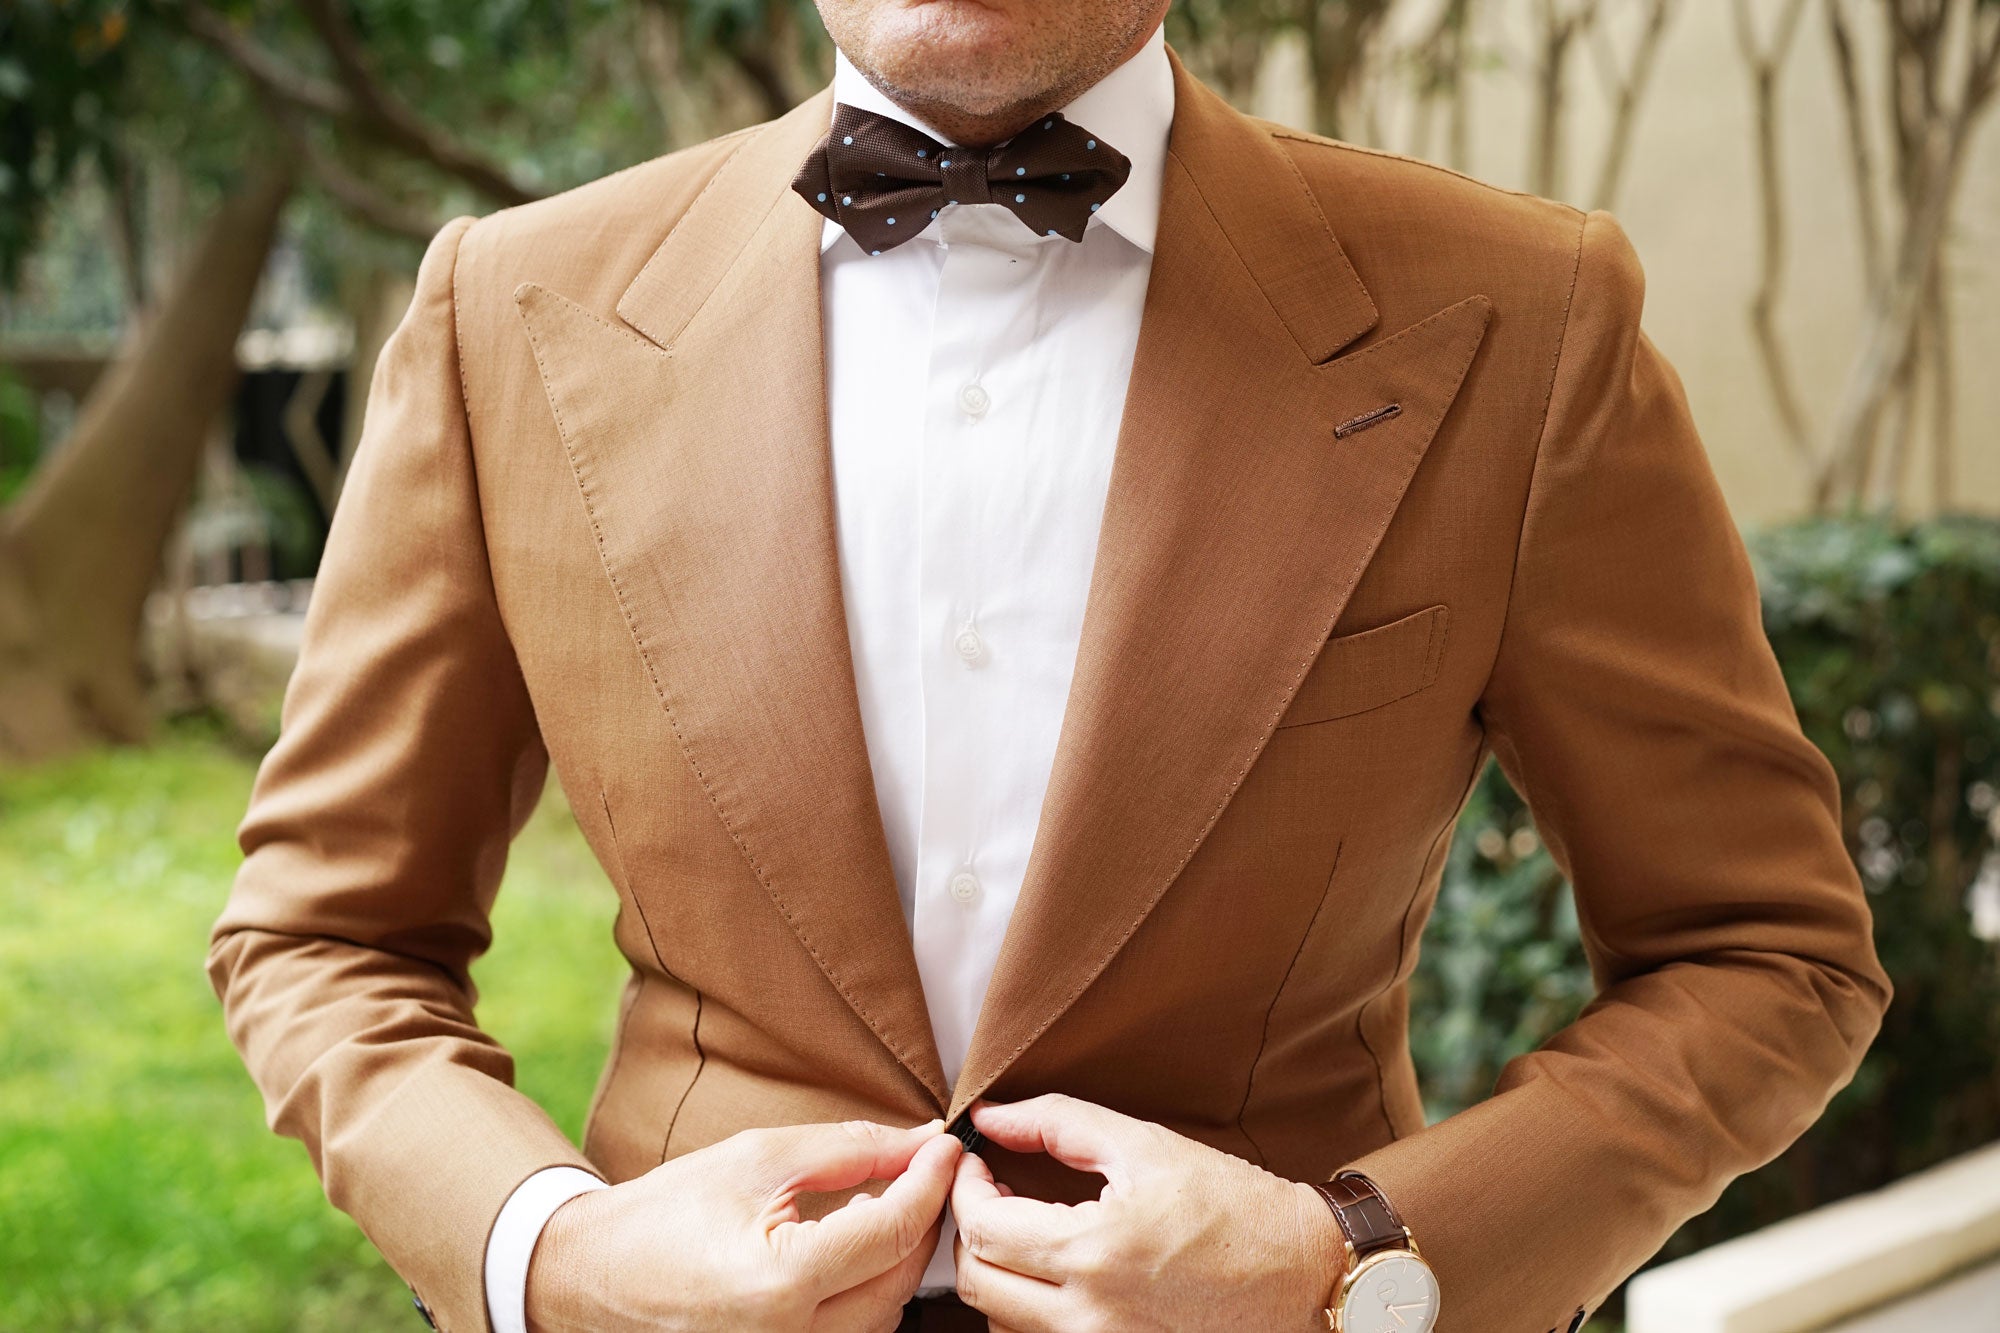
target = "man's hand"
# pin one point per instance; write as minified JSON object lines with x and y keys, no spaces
{"x":1182,"y":1237}
{"x":713,"y":1239}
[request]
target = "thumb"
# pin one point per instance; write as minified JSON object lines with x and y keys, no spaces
{"x":870,"y":1236}
{"x":1076,"y":1133}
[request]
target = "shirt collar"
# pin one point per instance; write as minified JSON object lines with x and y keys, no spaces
{"x":1131,"y":108}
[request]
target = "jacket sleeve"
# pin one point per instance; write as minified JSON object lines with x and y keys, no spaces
{"x":374,"y":841}
{"x":1636,"y":705}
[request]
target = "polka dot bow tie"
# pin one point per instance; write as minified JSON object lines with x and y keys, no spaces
{"x":884,"y":180}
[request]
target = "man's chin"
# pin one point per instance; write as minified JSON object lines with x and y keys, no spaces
{"x":952,"y":52}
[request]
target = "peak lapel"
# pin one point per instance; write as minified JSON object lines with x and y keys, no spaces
{"x":1236,"y":527}
{"x":702,"y":452}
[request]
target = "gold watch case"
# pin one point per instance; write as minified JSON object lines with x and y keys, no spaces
{"x":1367,"y":1300}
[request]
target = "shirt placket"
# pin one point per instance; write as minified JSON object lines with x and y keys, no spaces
{"x":960,"y":914}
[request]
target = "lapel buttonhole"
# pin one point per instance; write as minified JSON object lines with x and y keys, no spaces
{"x":1365,"y":420}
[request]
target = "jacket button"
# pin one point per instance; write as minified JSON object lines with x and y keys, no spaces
{"x":962,"y":1129}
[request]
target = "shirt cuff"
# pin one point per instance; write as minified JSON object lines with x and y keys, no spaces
{"x":515,"y":1232}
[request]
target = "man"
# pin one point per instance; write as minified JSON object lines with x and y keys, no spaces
{"x":1017,"y":566}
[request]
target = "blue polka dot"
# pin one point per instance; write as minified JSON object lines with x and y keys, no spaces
{"x":933,"y":212}
{"x":1020,"y":171}
{"x":951,"y":201}
{"x":1052,"y":231}
{"x":1095,"y":207}
{"x":1090,"y":143}
{"x":881,"y":173}
{"x":945,"y":163}
{"x":1065,"y":175}
{"x":1048,"y":124}
{"x":822,"y":196}
{"x":892,"y":222}
{"x":848,"y":139}
{"x":874,"y":252}
{"x":847,"y":199}
{"x":923,"y":152}
{"x":1020,"y":198}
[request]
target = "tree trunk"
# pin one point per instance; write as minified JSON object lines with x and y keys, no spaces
{"x":1339,"y":38}
{"x":1766,"y":65}
{"x":81,"y":548}
{"x":1629,"y":89}
{"x":1895,"y":311}
{"x":1545,"y":148}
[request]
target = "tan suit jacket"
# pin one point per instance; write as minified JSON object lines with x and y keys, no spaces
{"x":590,"y":523}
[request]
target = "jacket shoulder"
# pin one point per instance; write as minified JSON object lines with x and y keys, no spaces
{"x":1421,"y":227}
{"x":1416,"y":182}
{"x":589,"y":241}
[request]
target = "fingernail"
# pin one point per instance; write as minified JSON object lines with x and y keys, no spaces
{"x":931,"y":1126}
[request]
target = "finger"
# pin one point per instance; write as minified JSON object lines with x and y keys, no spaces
{"x":1008,"y":1299}
{"x":1022,"y":1235}
{"x":852,"y":1244}
{"x":1074,"y":1132}
{"x":878,"y":1302}
{"x":801,"y":1159}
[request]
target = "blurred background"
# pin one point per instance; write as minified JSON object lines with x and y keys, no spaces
{"x":210,"y":216}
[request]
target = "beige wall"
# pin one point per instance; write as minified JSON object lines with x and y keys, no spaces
{"x":1689,"y":205}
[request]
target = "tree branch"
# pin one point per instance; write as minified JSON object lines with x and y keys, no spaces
{"x":362,"y":198}
{"x":266,"y":70}
{"x":358,"y":197}
{"x":1629,"y":85}
{"x":394,"y":121}
{"x":1860,"y":159}
{"x":1765,"y":64}
{"x":358,"y":101}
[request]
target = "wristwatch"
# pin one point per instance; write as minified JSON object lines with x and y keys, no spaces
{"x":1387,"y":1288}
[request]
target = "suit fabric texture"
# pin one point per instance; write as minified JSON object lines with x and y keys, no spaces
{"x":1400,"y":484}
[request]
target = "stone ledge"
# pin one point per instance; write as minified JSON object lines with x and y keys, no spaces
{"x":1809,"y":1271}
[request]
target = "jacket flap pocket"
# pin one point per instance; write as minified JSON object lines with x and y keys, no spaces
{"x":1369,"y":668}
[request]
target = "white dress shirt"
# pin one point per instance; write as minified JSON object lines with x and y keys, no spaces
{"x":976,"y":376}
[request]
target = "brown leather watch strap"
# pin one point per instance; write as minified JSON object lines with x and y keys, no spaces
{"x":1366,"y":1217}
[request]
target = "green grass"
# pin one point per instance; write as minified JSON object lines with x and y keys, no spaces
{"x":139,"y":1188}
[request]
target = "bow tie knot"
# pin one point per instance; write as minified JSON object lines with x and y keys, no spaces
{"x":884,"y":180}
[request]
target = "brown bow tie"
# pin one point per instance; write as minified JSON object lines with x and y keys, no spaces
{"x":884,"y":180}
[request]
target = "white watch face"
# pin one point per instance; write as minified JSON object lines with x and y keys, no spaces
{"x":1393,"y":1293}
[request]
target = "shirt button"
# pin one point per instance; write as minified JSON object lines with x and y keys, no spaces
{"x":969,"y":645}
{"x":965,"y":886}
{"x":973,"y":400}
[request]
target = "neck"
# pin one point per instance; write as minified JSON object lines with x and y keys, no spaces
{"x":976,"y":130}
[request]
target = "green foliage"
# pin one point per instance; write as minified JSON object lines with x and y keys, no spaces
{"x":20,"y":434}
{"x":268,"y":508}
{"x":1890,"y":640}
{"x":540,"y":85}
{"x":120,"y":95}
{"x":140,"y":1189}
{"x":1889,"y":635}
{"x":289,"y":521}
{"x":1502,"y":966}
{"x":61,"y":71}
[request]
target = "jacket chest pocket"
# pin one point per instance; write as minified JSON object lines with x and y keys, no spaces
{"x":1369,"y":668}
